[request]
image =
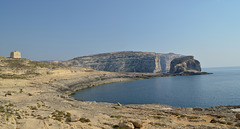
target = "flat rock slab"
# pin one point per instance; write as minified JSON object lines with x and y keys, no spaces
{"x":166,"y":109}
{"x":236,"y":110}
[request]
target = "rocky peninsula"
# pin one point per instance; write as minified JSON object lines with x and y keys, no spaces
{"x":126,"y":61}
{"x":185,"y":65}
{"x":36,"y":95}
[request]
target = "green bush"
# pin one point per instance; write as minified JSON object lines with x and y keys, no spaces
{"x":1,"y":109}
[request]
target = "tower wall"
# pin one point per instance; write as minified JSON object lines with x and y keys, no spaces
{"x":15,"y":54}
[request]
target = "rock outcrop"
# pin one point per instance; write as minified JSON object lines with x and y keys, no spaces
{"x":185,"y":64}
{"x":126,"y":61}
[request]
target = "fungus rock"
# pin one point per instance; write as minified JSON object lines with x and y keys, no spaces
{"x":185,"y":64}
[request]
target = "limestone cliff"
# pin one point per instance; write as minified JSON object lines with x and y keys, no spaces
{"x":126,"y":61}
{"x":185,"y":64}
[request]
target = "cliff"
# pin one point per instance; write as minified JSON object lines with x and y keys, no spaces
{"x":126,"y":61}
{"x":185,"y":64}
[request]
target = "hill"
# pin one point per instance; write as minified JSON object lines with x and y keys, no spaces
{"x":22,"y":72}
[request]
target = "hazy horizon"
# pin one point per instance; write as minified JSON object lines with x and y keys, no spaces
{"x":62,"y":30}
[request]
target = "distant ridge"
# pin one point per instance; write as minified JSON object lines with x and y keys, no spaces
{"x":126,"y":61}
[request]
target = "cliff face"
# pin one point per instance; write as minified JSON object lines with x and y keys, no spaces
{"x":127,"y":61}
{"x":185,"y":64}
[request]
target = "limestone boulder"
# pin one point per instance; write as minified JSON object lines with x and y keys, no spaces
{"x":75,"y":115}
{"x":126,"y":124}
{"x":137,"y":123}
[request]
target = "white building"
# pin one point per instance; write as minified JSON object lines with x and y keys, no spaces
{"x":15,"y":54}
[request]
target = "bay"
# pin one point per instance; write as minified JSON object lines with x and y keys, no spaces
{"x":220,"y":88}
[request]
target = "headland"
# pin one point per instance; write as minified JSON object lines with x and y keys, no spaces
{"x":40,"y":99}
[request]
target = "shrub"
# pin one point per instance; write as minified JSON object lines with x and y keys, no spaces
{"x":32,"y":107}
{"x":213,"y":121}
{"x":21,"y":90}
{"x":60,"y":115}
{"x":89,"y":70}
{"x":229,"y":123}
{"x":1,"y":109}
{"x":159,"y":124}
{"x":6,"y":76}
{"x":237,"y":125}
{"x":84,"y":120}
{"x":157,"y":117}
{"x":118,"y":117}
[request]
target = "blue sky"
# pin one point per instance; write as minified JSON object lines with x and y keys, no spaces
{"x":64,"y":29}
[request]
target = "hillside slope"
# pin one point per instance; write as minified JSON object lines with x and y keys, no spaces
{"x":22,"y":72}
{"x":13,"y":68}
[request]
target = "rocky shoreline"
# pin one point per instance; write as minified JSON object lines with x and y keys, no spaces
{"x":37,"y":95}
{"x":70,"y":86}
{"x":50,"y":106}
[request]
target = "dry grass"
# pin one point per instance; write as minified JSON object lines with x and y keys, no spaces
{"x":11,"y":68}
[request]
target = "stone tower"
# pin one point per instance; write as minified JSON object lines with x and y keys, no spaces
{"x":15,"y":54}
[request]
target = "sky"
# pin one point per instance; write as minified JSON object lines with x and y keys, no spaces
{"x":64,"y":29}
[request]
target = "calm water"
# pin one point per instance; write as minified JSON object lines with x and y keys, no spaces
{"x":220,"y":88}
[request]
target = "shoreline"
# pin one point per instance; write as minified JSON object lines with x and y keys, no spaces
{"x":102,"y":79}
{"x":49,"y":106}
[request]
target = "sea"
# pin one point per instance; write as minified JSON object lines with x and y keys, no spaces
{"x":218,"y":89}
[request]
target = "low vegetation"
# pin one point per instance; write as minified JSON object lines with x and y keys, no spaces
{"x":11,"y":68}
{"x":158,"y":124}
{"x":84,"y":120}
{"x":237,"y":125}
{"x":8,"y":111}
{"x":213,"y":121}
{"x":13,"y":76}
{"x":20,"y":90}
{"x":33,"y":107}
{"x":60,"y":116}
{"x":1,"y":109}
{"x":45,"y":65}
{"x":89,"y":70}
{"x":118,"y":117}
{"x":157,"y":117}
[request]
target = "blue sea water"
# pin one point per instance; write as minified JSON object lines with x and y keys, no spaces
{"x":220,"y":88}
